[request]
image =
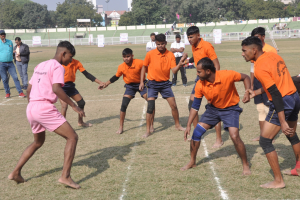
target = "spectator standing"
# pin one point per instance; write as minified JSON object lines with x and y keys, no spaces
{"x":7,"y":65}
{"x":21,"y":52}
{"x":151,"y":45}
{"x":177,"y":48}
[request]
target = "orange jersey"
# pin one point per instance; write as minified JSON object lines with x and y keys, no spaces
{"x":131,"y":74}
{"x":70,"y":70}
{"x":222,"y":93}
{"x":159,"y":65}
{"x":270,"y":69}
{"x":204,"y":49}
{"x":267,"y":48}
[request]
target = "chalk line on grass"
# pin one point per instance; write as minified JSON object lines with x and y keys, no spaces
{"x":211,"y":163}
{"x":132,"y":159}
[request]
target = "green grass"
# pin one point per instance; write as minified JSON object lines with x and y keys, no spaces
{"x":103,"y":158}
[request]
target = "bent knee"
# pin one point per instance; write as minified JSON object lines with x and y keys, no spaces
{"x":38,"y":144}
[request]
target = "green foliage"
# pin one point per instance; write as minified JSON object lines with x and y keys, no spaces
{"x":22,"y":2}
{"x":35,"y":15}
{"x":126,"y":19}
{"x":10,"y":15}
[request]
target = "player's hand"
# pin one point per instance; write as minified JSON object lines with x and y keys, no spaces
{"x":79,"y":111}
{"x":187,"y":132}
{"x":286,"y":129}
{"x":252,"y":93}
{"x":141,"y":87}
{"x":246,"y":97}
{"x":14,"y":51}
{"x":182,"y":60}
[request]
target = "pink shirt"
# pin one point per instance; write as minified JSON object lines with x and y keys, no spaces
{"x":44,"y":76}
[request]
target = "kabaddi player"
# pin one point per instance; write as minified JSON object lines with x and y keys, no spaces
{"x":44,"y":88}
{"x":202,"y":49}
{"x":71,"y":91}
{"x":159,"y":62}
{"x":272,"y":73}
{"x":261,"y":101}
{"x":219,"y":90}
{"x":131,"y":71}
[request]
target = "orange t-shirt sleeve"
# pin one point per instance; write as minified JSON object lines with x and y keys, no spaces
{"x":211,"y":52}
{"x":236,"y":75}
{"x":119,"y":71}
{"x":265,"y":77}
{"x":80,"y":67}
{"x":198,"y":91}
{"x":147,"y":59}
{"x":173,"y":62}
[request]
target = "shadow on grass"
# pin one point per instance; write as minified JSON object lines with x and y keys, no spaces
{"x":98,"y":160}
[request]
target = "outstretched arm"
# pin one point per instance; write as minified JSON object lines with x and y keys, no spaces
{"x":143,"y":71}
{"x":110,"y":81}
{"x":180,"y":64}
{"x":56,"y":87}
{"x":216,"y":63}
{"x":246,"y":79}
{"x":28,"y":92}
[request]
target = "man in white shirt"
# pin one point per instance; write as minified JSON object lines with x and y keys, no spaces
{"x":151,"y":45}
{"x":177,"y":48}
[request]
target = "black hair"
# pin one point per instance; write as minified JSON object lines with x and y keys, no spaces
{"x":178,"y":36}
{"x":18,"y":38}
{"x":160,"y":37}
{"x":152,"y":34}
{"x":258,"y":31}
{"x":67,"y":45}
{"x":253,"y":40}
{"x":207,"y":63}
{"x":127,"y":51}
{"x":192,"y":30}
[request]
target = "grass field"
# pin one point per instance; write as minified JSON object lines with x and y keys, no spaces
{"x":111,"y":166}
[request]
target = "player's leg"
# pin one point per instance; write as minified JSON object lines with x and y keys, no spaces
{"x":175,"y":113}
{"x":125,"y":102}
{"x":183,"y":76}
{"x":240,"y":148}
{"x":81,"y":103}
{"x":195,"y":144}
{"x":64,"y":108}
{"x":39,"y":139}
{"x":195,"y":121}
{"x":269,"y":131}
{"x":261,"y":117}
{"x":152,"y":117}
{"x":219,"y":142}
{"x":67,"y":132}
{"x":149,"y":115}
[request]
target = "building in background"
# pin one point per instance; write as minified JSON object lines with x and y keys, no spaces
{"x":113,"y":17}
{"x":129,"y":4}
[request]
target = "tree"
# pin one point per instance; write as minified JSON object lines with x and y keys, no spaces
{"x":97,"y":20}
{"x":71,"y":10}
{"x":22,"y":2}
{"x":35,"y":15}
{"x":11,"y":14}
{"x":126,"y":19}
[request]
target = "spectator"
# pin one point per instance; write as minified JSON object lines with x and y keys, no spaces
{"x":7,"y":65}
{"x":177,"y":48}
{"x":21,"y":52}
{"x":151,"y":45}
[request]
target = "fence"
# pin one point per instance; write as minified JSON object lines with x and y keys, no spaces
{"x":280,"y":34}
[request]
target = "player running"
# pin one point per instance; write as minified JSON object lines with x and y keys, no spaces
{"x":131,"y":71}
{"x":272,"y":73}
{"x":71,"y":91}
{"x":159,"y":62}
{"x":202,"y":49}
{"x":42,"y":92}
{"x":219,"y":89}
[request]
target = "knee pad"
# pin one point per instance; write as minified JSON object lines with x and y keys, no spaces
{"x":125,"y":103}
{"x":190,"y":105}
{"x":266,"y":144}
{"x":198,"y":132}
{"x":293,"y":140}
{"x":262,"y":114}
{"x":81,"y":103}
{"x":151,"y":106}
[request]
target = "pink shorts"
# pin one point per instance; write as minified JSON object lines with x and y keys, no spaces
{"x":43,"y":115}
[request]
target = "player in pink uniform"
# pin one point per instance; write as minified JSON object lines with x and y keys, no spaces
{"x":43,"y":90}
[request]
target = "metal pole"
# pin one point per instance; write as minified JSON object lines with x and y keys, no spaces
{"x":49,"y":38}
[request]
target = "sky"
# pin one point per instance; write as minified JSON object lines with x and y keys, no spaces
{"x":110,"y":6}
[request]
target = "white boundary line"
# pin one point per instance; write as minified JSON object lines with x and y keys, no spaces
{"x":132,"y":159}
{"x":211,"y":163}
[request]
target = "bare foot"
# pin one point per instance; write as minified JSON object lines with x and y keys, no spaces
{"x":180,"y":128}
{"x":69,"y":182}
{"x":188,"y":166}
{"x":120,"y":131}
{"x":256,"y":139}
{"x":16,"y":177}
{"x":85,"y":124}
{"x":218,"y":145}
{"x":291,"y":172}
{"x":152,"y":129}
{"x":246,"y":171}
{"x":273,"y":184}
